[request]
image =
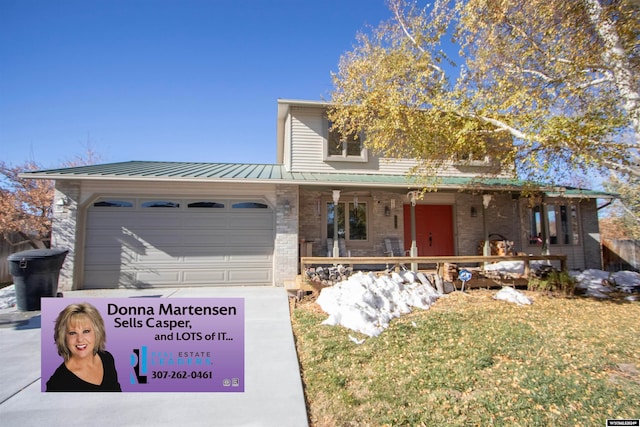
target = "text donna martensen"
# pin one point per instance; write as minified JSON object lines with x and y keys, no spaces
{"x":171,"y":310}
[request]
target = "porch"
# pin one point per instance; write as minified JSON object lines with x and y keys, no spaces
{"x":438,"y":265}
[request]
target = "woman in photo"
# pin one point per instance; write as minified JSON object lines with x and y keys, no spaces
{"x":80,"y":337}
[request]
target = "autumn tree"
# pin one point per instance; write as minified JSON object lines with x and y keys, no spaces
{"x":550,"y":87}
{"x":623,"y":219}
{"x":26,"y":204}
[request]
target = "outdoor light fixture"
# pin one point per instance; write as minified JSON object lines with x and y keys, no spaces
{"x":287,"y":207}
{"x":336,"y":196}
{"x":486,"y":199}
{"x":474,"y":212}
{"x":387,"y":211}
{"x":62,"y":201}
{"x":412,"y":196}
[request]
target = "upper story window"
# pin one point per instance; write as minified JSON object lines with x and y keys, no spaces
{"x":340,"y":147}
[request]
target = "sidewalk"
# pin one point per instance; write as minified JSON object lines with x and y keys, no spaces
{"x":273,"y":394}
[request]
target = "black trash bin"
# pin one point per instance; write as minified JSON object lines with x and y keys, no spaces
{"x":35,"y":275}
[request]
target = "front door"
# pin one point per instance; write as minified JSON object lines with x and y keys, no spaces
{"x":434,"y":229}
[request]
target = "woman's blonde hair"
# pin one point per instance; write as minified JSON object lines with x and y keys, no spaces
{"x":70,"y":314}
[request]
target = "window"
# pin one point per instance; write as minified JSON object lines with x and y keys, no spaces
{"x":161,"y":204}
{"x":206,"y":204}
{"x":340,"y":147}
{"x":113,"y":204}
{"x":351,"y":220}
{"x":249,"y":205}
{"x":562,"y":225}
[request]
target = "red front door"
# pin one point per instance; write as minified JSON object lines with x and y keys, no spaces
{"x":434,"y":229}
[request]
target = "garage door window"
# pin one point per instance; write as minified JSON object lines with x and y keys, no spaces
{"x":249,"y":205}
{"x":161,"y":204}
{"x":206,"y":204}
{"x":113,"y":204}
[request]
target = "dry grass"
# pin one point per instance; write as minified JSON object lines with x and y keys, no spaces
{"x":472,"y":360}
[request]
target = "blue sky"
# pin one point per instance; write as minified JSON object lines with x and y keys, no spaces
{"x":167,"y":80}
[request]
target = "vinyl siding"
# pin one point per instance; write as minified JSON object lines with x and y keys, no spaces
{"x":304,"y":140}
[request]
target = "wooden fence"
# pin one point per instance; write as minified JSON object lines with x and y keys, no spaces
{"x":6,"y":249}
{"x":621,"y":255}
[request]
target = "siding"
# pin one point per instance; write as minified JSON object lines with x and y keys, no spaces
{"x":304,"y":140}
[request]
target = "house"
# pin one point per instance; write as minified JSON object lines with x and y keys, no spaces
{"x":138,"y":224}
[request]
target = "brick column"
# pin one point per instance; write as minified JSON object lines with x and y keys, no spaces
{"x":285,"y":267}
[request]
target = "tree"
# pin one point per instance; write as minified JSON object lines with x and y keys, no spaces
{"x":623,"y":220}
{"x":26,"y":204}
{"x":550,"y":87}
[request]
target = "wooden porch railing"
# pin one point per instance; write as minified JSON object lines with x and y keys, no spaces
{"x":462,"y":259}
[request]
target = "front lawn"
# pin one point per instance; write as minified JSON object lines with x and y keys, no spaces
{"x":472,"y":360}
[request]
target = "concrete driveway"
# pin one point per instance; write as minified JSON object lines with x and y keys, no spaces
{"x":273,"y":393}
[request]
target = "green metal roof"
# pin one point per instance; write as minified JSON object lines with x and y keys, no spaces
{"x":277,"y":174}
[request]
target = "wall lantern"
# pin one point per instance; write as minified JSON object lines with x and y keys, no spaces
{"x":387,"y":211}
{"x":486,"y":200}
{"x":336,"y":196}
{"x":287,"y":207}
{"x":413,"y":197}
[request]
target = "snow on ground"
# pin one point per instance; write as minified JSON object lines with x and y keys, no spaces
{"x":7,"y":297}
{"x":509,"y":294}
{"x":598,"y":283}
{"x":366,"y":302}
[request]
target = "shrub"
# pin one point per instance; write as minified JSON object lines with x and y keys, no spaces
{"x":554,"y":282}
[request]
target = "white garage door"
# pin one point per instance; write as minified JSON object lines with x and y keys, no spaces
{"x":167,"y":242}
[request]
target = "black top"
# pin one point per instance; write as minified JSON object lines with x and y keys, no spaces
{"x":65,"y":380}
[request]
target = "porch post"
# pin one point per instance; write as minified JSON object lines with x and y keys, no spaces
{"x":544,"y":225}
{"x":486,"y":200}
{"x":336,"y":247}
{"x":413,"y":252}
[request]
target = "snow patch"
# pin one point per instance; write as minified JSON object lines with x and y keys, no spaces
{"x":598,"y":283}
{"x":8,"y":297}
{"x":366,"y":303}
{"x":510,"y":294}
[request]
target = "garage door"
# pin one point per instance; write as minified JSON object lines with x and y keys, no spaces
{"x":175,"y":242}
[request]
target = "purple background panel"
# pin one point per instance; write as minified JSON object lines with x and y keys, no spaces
{"x":181,"y":344}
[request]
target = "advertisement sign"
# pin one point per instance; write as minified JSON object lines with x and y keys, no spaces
{"x":154,"y":344}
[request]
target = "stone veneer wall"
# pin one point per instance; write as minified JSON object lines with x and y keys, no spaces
{"x":64,"y":228}
{"x":286,"y":240}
